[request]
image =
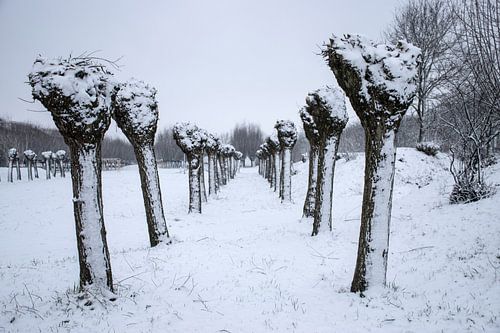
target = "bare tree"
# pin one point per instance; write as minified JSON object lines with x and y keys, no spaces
{"x":328,"y":110}
{"x":380,"y":81}
{"x":75,"y":92}
{"x":427,"y":24}
{"x":135,"y":110}
{"x":192,"y":141}
{"x":287,"y":135}
{"x":246,"y":137}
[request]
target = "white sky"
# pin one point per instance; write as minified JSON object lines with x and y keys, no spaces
{"x":213,"y":62}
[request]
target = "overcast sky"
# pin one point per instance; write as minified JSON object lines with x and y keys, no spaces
{"x":215,"y":63}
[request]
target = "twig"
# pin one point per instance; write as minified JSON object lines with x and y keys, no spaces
{"x":417,"y":248}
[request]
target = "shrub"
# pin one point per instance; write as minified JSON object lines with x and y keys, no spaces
{"x":428,"y":148}
{"x":465,"y":193}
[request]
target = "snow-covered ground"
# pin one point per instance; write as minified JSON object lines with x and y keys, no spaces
{"x":248,"y":263}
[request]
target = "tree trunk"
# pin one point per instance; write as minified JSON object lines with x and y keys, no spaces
{"x":201,"y":171}
{"x":276,"y":171}
{"x":222,"y":170}
{"x":211,"y":176}
{"x":216,"y":173}
{"x":324,"y":189}
{"x":29,"y":166}
{"x":310,"y":201}
{"x":93,"y":254}
{"x":10,"y":174}
{"x":35,"y":167}
{"x":61,"y":166}
{"x":47,"y":168}
{"x":18,"y":169}
{"x":151,"y":193}
{"x":286,"y":175}
{"x":371,"y":264}
{"x":194,"y":184}
{"x":231,"y":167}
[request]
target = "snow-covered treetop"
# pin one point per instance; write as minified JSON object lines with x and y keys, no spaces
{"x":212,"y":144}
{"x":47,"y":155}
{"x":327,"y":107}
{"x":273,"y":142}
{"x":381,"y":68}
{"x":259,"y":153}
{"x":227,"y":150}
{"x":61,"y":154}
{"x":12,"y":153}
{"x":135,"y":108}
{"x":310,"y":128}
{"x":287,"y":133}
{"x":29,"y":154}
{"x":189,"y":137}
{"x":75,"y":91}
{"x":265,"y":149}
{"x":238,"y":155}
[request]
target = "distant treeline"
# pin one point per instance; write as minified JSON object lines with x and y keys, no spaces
{"x":245,"y":137}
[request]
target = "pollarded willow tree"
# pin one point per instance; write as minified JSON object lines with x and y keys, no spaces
{"x":47,"y":161}
{"x":328,"y":110}
{"x":312,"y":135}
{"x":227,"y":152}
{"x":287,"y":135}
{"x":13,"y":161}
{"x":30,"y":158}
{"x":211,"y":147}
{"x":192,"y":141}
{"x":380,"y":81}
{"x":135,"y":110}
{"x":75,"y":92}
{"x":274,"y":149}
{"x":60,"y":157}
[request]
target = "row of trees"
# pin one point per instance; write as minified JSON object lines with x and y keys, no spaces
{"x":380,"y":82}
{"x":458,"y":84}
{"x":223,"y":162}
{"x":50,"y":161}
{"x":82,"y":99}
{"x":275,"y":158}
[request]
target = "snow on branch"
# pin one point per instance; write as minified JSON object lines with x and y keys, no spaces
{"x":326,"y":105}
{"x":381,"y":68}
{"x":189,"y":137}
{"x":134,"y":104}
{"x":287,"y":133}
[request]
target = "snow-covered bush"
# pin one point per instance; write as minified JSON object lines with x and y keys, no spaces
{"x":135,"y":110}
{"x":76,"y":93}
{"x":466,"y":192}
{"x":428,"y":148}
{"x":380,"y":81}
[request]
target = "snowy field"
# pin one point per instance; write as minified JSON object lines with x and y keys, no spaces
{"x":248,"y":263}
